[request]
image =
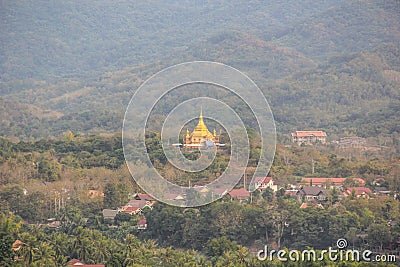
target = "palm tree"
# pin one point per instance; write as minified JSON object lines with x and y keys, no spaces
{"x":45,"y":255}
{"x":61,"y":260}
{"x":117,"y":260}
{"x":242,"y":253}
{"x":229,"y":259}
{"x":28,"y":253}
{"x":150,"y":244}
{"x":202,"y":261}
{"x":167,"y":255}
{"x":131,"y":242}
{"x":129,"y":260}
{"x":253,"y":261}
{"x":102,"y":251}
{"x":82,"y":247}
{"x":59,"y":242}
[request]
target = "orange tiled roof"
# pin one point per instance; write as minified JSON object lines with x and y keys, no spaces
{"x":309,"y":133}
{"x":128,"y":209}
{"x":358,"y":190}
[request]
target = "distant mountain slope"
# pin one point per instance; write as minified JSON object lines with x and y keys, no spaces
{"x":250,"y":53}
{"x":357,"y":93}
{"x":73,"y":65}
{"x":351,"y":94}
{"x":352,"y":27}
{"x":22,"y":120}
{"x":52,"y":39}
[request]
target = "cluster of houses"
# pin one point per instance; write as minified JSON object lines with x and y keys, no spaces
{"x":313,"y":191}
{"x":133,"y":207}
{"x":309,"y":192}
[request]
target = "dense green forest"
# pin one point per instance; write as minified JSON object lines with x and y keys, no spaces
{"x":44,"y":247}
{"x":34,"y":175}
{"x":332,"y":65}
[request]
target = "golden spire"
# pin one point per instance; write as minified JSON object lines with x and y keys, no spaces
{"x":201,"y":129}
{"x":187,"y":133}
{"x":201,"y":116}
{"x":201,"y":126}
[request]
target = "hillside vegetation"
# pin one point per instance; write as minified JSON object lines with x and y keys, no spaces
{"x":70,"y":65}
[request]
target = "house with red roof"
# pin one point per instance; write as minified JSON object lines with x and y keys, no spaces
{"x":76,"y":263}
{"x":131,"y":210}
{"x":142,"y":224}
{"x":240,"y":194}
{"x":309,"y":137}
{"x":357,"y":192}
{"x":136,"y":206}
{"x":262,"y":183}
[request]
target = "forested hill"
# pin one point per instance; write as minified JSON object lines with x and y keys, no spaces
{"x":73,"y":38}
{"x":73,"y":65}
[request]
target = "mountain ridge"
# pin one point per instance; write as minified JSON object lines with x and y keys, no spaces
{"x":306,"y":86}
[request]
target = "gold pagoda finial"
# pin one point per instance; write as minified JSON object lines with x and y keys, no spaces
{"x":201,"y":128}
{"x":215,"y":132}
{"x":187,"y":133}
{"x":201,"y":121}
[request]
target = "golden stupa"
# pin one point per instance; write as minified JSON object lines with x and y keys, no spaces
{"x":201,"y":137}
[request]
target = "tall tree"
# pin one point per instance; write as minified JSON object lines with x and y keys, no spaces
{"x":115,"y":195}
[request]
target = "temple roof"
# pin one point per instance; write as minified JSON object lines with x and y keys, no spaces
{"x":201,"y":129}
